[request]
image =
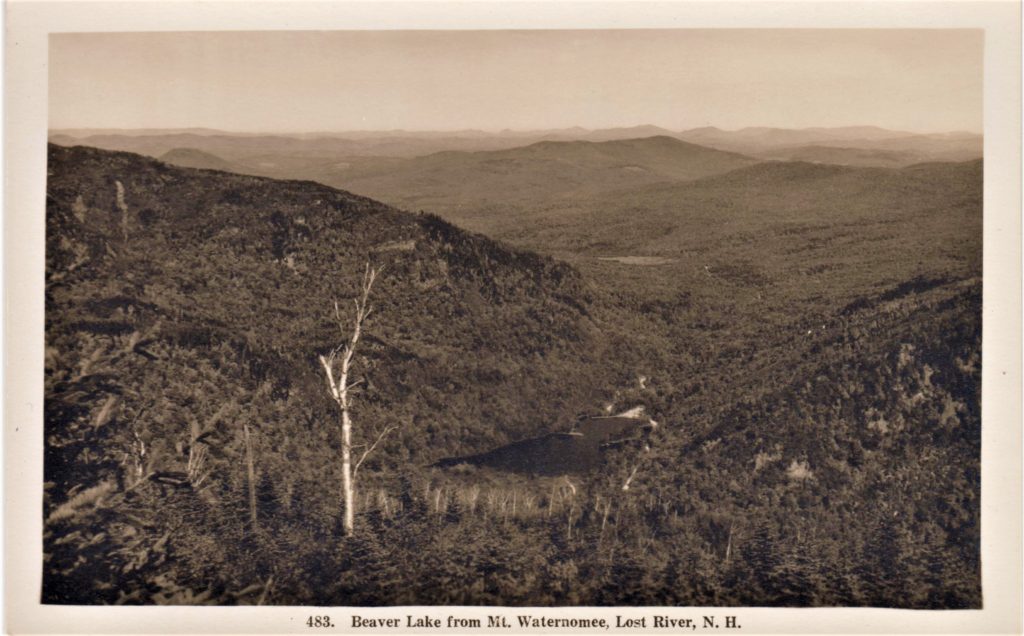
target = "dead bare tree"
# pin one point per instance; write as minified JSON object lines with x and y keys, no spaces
{"x":340,"y":360}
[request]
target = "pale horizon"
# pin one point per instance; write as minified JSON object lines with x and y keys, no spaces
{"x":491,"y":131}
{"x":281,"y":82}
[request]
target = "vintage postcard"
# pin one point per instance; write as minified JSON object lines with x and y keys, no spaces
{"x":499,"y":318}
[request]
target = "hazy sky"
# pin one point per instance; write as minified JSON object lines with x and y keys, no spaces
{"x":919,"y":80}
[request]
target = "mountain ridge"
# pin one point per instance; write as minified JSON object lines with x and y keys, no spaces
{"x":543,"y":169}
{"x":193,"y":158}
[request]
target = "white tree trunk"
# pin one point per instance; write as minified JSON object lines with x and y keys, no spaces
{"x":340,"y":392}
{"x":348,"y":487}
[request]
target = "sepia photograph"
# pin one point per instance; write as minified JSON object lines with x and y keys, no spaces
{"x":514,"y":318}
{"x":511,"y":318}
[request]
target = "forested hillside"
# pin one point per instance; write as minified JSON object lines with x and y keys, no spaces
{"x":537,"y":172}
{"x":183,"y":305}
{"x":811,"y":351}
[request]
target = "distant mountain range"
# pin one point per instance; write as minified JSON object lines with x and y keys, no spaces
{"x":845,"y":145}
{"x":544,"y":170}
{"x":858,"y":145}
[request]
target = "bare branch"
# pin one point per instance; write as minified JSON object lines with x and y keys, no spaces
{"x":369,"y":450}
{"x":339,"y":319}
{"x":328,"y":363}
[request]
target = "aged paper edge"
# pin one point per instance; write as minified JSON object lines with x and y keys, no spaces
{"x":30,"y":22}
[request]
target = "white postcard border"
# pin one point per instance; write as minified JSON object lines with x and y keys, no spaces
{"x":30,"y":22}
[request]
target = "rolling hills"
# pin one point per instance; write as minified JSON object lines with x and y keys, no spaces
{"x":788,"y":196}
{"x":809,"y":342}
{"x":319,"y":156}
{"x":525,"y":171}
{"x":192,"y":158}
{"x":853,"y":145}
{"x":540,"y":171}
